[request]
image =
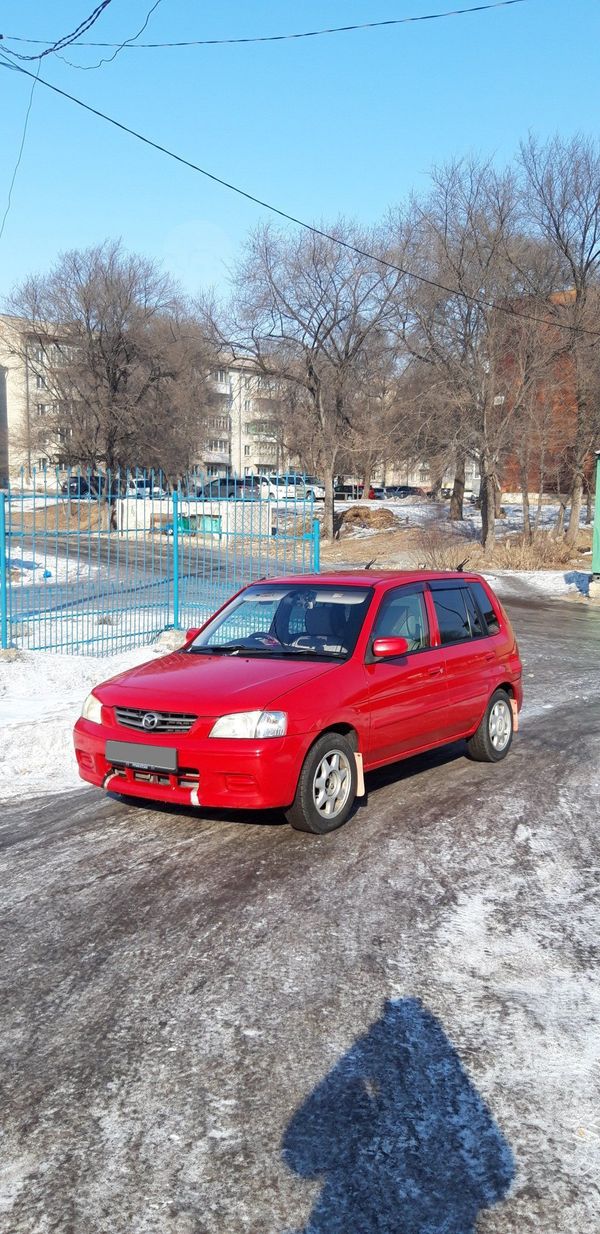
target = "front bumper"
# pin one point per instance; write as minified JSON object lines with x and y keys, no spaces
{"x":219,"y":773}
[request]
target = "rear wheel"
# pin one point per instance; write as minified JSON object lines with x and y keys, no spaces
{"x":492,"y":740}
{"x":326,"y":787}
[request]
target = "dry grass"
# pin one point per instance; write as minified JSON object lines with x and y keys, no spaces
{"x":65,"y":516}
{"x":438,"y":549}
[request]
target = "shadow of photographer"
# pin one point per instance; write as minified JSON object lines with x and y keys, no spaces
{"x":401,"y":1138}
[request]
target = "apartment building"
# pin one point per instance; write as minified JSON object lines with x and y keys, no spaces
{"x":241,"y":435}
{"x":244,"y":434}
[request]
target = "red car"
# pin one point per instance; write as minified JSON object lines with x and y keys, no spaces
{"x":297,"y":686}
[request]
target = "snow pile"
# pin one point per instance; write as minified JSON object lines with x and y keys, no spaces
{"x":40,"y":699}
{"x":529,"y":584}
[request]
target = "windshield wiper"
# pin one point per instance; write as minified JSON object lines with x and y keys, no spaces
{"x":231,"y":649}
{"x":312,"y":651}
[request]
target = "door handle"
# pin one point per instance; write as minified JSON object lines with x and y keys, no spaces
{"x":490,"y":656}
{"x":436,"y":672}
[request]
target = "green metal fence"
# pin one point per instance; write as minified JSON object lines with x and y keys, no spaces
{"x":96,"y":564}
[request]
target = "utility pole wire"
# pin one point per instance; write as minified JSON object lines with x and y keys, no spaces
{"x":86,"y":68}
{"x":20,"y":154}
{"x":303,"y":34}
{"x":291,"y":218}
{"x":67,"y":39}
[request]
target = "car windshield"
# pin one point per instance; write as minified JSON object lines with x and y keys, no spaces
{"x":314,"y":620}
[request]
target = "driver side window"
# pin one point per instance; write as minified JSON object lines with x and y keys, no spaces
{"x":403,"y":615}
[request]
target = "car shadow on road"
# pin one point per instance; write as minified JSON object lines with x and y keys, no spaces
{"x":392,"y":773}
{"x":399,"y":1136}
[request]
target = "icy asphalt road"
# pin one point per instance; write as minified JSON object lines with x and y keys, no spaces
{"x":195,"y":1036}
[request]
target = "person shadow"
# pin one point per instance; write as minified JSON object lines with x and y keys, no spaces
{"x":400,"y":1136}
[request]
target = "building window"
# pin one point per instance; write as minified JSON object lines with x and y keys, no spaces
{"x":42,"y":408}
{"x":40,"y":382}
{"x":247,"y":404}
{"x":221,"y":376}
{"x":38,"y":355}
{"x":247,"y":451}
{"x":219,"y":444}
{"x":42,"y":463}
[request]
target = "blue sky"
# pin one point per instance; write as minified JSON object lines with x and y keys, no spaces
{"x":346,"y":123}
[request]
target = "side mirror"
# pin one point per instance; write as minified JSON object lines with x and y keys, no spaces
{"x":385,"y":648}
{"x":192,"y":633}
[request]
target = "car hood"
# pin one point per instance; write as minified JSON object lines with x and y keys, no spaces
{"x":208,"y":685}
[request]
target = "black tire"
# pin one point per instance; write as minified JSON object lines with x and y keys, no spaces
{"x":492,"y":740}
{"x":304,"y":813}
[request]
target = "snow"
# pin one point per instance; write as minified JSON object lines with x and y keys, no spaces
{"x":40,"y":699}
{"x":548,"y":584}
{"x":29,"y":567}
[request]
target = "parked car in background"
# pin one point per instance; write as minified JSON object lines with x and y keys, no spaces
{"x":145,"y":487}
{"x":229,"y":487}
{"x":85,"y":485}
{"x":286,"y":487}
{"x":297,"y":685}
{"x":353,"y":492}
{"x":314,"y":488}
{"x":399,"y":491}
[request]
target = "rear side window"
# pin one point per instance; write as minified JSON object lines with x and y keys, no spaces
{"x":452,"y":615}
{"x":485,"y":607}
{"x":476,"y":621}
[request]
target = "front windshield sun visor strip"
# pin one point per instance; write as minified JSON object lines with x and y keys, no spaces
{"x":316,"y":621}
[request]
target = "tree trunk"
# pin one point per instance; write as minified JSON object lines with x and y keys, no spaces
{"x":488,"y":507}
{"x":527,"y":530}
{"x":497,"y":497}
{"x":366,"y":479}
{"x":327,"y":524}
{"x":560,"y":518}
{"x":588,"y":504}
{"x":576,"y":500}
{"x":458,"y":491}
{"x":538,"y":513}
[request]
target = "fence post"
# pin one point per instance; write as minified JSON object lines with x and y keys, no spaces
{"x":3,"y":576}
{"x":175,"y":560}
{"x":316,"y":546}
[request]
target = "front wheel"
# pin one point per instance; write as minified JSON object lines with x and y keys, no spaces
{"x":492,"y":740}
{"x":326,"y":787}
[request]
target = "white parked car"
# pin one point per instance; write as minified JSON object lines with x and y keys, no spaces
{"x":291,"y":486}
{"x":141,"y":486}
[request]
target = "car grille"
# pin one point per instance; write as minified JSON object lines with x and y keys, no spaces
{"x":167,"y":721}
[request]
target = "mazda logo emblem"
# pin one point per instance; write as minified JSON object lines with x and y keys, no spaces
{"x":150,"y":721}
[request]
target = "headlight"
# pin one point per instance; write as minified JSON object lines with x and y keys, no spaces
{"x":92,"y":709}
{"x":251,"y":724}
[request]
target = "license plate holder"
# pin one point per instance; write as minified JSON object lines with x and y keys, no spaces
{"x":141,"y":757}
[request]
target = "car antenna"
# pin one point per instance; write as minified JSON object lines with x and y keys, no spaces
{"x":461,"y":565}
{"x":370,"y":563}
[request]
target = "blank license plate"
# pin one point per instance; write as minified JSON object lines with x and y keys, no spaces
{"x":146,"y":758}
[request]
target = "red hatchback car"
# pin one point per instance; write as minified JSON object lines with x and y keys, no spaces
{"x":296,"y":686}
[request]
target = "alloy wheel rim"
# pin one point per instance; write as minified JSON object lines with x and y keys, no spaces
{"x":331,"y":784}
{"x":500,"y":725}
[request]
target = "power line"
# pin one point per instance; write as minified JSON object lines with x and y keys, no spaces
{"x":20,"y":154}
{"x":67,"y":39}
{"x":85,"y":68}
{"x":291,"y":218}
{"x":303,"y":34}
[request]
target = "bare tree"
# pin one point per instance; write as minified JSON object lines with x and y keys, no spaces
{"x":467,"y":239}
{"x":306,"y":310}
{"x":561,"y":195}
{"x":121,"y":361}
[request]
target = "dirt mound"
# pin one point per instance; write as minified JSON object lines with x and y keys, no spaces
{"x":364,"y":518}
